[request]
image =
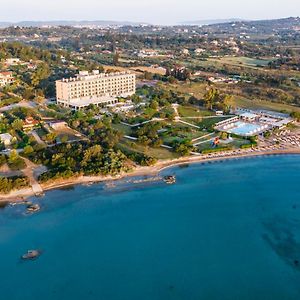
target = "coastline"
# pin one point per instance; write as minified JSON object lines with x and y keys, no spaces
{"x":20,"y":195}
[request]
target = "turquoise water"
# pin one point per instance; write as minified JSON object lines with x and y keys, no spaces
{"x":226,"y":230}
{"x":242,"y":128}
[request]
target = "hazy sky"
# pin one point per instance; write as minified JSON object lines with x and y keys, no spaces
{"x":153,"y":11}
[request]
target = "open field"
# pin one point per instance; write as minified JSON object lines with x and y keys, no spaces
{"x":207,"y":123}
{"x":230,"y":61}
{"x":262,"y":104}
{"x":159,"y":71}
{"x":236,"y":143}
{"x":158,"y":153}
{"x":191,"y":111}
{"x":126,"y":130}
{"x":137,"y":70}
{"x":245,"y":61}
{"x":199,"y":89}
{"x":190,"y":89}
{"x":180,"y":132}
{"x":68,"y":132}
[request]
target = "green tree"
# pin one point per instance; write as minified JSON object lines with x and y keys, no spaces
{"x":154,"y":104}
{"x":211,"y":97}
{"x":116,"y":59}
{"x":41,"y":73}
{"x":17,"y":124}
{"x":28,"y":150}
{"x":51,"y":137}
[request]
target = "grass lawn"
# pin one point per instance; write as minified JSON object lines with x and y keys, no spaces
{"x":204,"y":146}
{"x":41,"y":132}
{"x":150,"y":70}
{"x":236,"y":143}
{"x":209,"y":123}
{"x":137,"y":70}
{"x":233,"y":61}
{"x":262,"y":104}
{"x":158,"y":153}
{"x":180,"y":132}
{"x":195,"y":88}
{"x":149,"y":113}
{"x":252,"y":62}
{"x":72,"y":135}
{"x":191,"y":111}
{"x":135,"y":120}
{"x":126,"y":130}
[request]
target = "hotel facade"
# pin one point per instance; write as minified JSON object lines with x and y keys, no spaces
{"x":95,"y":88}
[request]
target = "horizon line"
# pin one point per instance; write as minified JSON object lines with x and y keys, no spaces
{"x":148,"y":23}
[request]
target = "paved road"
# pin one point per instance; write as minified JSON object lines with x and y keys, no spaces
{"x":7,"y":151}
{"x":32,"y":171}
{"x":20,"y":104}
{"x":37,"y":138}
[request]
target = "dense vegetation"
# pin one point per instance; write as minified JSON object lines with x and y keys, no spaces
{"x":13,"y":183}
{"x":71,"y":160}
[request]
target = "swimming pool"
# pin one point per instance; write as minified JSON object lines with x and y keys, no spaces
{"x":245,"y":129}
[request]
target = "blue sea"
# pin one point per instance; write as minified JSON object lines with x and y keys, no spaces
{"x":225,"y":230}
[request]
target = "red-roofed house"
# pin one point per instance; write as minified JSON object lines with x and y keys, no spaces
{"x":29,"y":123}
{"x":6,"y":78}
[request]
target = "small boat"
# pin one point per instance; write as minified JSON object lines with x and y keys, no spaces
{"x":31,"y":254}
{"x":170,"y":179}
{"x":40,"y":194}
{"x":33,"y":208}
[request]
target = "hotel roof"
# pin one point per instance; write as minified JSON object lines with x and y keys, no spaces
{"x":85,"y":76}
{"x":248,"y":115}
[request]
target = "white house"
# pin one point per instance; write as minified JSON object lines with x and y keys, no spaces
{"x":199,"y":51}
{"x":6,"y":139}
{"x":185,"y":51}
{"x":6,"y":78}
{"x":56,"y":125}
{"x":12,"y":61}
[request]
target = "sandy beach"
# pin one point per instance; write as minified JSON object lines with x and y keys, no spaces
{"x":20,"y":195}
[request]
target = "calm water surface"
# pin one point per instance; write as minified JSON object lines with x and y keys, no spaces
{"x":227,"y":230}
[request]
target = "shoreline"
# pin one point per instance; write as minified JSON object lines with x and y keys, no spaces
{"x":21,"y":195}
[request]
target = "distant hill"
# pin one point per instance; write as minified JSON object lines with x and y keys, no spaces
{"x":68,"y":23}
{"x":279,"y":24}
{"x":257,"y":26}
{"x":4,"y":24}
{"x":210,"y":22}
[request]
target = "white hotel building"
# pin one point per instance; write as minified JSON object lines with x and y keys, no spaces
{"x":94,"y":88}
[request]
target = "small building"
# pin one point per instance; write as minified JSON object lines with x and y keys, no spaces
{"x":6,"y":78}
{"x":250,"y":117}
{"x":56,"y":125}
{"x":147,"y":53}
{"x":218,"y":79}
{"x":6,"y":139}
{"x":282,"y":123}
{"x":31,"y":66}
{"x":185,"y":51}
{"x":30,"y":123}
{"x":219,"y":113}
{"x":12,"y":61}
{"x":199,"y":51}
